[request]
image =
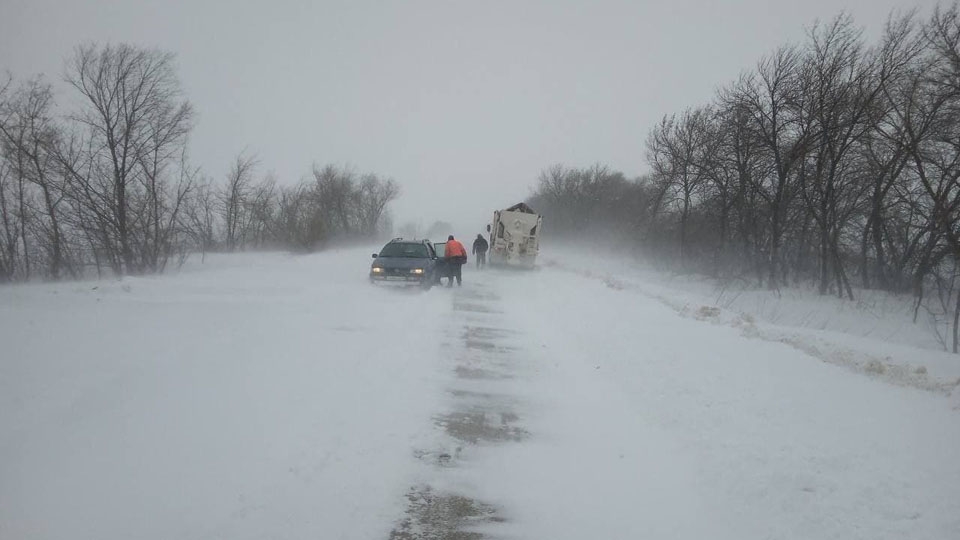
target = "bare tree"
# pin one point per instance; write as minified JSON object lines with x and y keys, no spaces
{"x":334,"y":188}
{"x":30,"y":135}
{"x":199,"y":216}
{"x":8,"y":234}
{"x":111,"y":185}
{"x":830,"y":155}
{"x":772,"y":98}
{"x":260,"y":213}
{"x":234,"y":199}
{"x":885,"y":156}
{"x":681,"y":152}
{"x":135,"y":112}
{"x":842,"y":86}
{"x":374,"y":195}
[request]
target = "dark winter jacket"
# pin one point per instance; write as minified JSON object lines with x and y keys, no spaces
{"x":480,"y":245}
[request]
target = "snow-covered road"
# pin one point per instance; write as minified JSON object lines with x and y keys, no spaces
{"x":270,"y":396}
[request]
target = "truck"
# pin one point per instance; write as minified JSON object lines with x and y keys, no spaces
{"x":515,"y":236}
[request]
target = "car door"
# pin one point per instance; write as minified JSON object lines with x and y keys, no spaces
{"x":442,"y":266}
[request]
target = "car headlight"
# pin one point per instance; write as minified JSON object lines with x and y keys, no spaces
{"x":377,"y":270}
{"x":416,"y":271}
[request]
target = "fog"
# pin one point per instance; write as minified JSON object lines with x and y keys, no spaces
{"x":462,"y":103}
{"x":744,"y":344}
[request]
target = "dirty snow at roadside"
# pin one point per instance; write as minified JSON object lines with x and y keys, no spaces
{"x":284,"y":397}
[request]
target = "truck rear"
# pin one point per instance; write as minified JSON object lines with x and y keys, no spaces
{"x":515,"y":236}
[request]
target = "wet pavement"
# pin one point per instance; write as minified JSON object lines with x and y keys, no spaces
{"x":481,"y":414}
{"x":443,"y":516}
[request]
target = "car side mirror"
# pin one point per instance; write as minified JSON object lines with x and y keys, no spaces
{"x":374,"y":255}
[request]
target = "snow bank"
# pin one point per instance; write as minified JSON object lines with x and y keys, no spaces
{"x":874,"y":336}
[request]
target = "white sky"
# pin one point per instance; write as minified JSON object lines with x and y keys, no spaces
{"x":463,"y":103}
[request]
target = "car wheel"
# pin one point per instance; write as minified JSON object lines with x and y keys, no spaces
{"x":426,"y":283}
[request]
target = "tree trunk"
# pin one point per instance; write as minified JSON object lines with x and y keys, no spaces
{"x":956,"y":320}
{"x":865,"y":255}
{"x":56,"y":259}
{"x":122,"y":228}
{"x":824,"y":260}
{"x":23,"y":227}
{"x":683,"y":230}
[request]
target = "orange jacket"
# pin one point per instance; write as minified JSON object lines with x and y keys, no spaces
{"x":454,"y":249}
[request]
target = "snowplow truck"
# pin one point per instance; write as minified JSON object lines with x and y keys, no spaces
{"x":515,"y":236}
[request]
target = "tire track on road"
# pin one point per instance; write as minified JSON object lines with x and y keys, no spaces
{"x":482,"y":412}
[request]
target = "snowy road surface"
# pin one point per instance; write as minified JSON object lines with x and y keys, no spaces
{"x":270,"y":396}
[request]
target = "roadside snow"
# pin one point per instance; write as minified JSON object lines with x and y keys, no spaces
{"x":254,"y":396}
{"x":874,"y":336}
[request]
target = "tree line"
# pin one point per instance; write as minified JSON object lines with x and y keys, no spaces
{"x":833,"y":161}
{"x":107,"y":187}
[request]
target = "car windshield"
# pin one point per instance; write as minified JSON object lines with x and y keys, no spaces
{"x":399,"y":249}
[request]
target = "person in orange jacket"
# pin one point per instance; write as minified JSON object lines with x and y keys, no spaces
{"x":456,"y":256}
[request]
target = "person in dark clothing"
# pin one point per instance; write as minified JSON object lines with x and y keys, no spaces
{"x":480,"y":247}
{"x":455,"y":256}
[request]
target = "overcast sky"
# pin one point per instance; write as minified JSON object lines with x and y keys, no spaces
{"x":463,"y":103}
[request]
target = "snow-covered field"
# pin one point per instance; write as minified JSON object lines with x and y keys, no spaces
{"x":273,"y":396}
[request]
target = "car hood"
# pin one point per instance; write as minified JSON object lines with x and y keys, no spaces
{"x":401,"y":262}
